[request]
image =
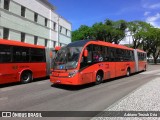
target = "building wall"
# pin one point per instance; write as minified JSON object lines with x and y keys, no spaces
{"x":15,"y":35}
{"x":16,"y":23}
{"x":36,"y":6}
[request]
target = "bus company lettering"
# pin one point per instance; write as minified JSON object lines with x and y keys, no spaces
{"x":22,"y":115}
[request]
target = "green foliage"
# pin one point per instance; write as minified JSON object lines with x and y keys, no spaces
{"x":136,"y":29}
{"x":109,"y":31}
{"x":84,"y":32}
{"x":151,"y":42}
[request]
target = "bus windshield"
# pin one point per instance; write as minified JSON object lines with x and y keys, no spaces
{"x":67,"y":58}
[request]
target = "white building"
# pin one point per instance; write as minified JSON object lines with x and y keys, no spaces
{"x":128,"y":39}
{"x":33,"y":21}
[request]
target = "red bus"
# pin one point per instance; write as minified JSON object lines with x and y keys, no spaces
{"x":89,"y":61}
{"x":22,"y":62}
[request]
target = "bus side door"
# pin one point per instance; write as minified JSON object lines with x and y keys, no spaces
{"x":86,"y":67}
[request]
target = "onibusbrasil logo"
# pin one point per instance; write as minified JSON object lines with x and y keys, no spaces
{"x":21,"y":114}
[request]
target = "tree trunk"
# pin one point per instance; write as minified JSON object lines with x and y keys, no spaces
{"x":155,"y":60}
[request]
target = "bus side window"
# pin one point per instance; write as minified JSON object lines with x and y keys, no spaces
{"x":131,"y":56}
{"x":98,"y":53}
{"x":5,"y":53}
{"x":89,"y":58}
{"x":37,"y":55}
{"x":86,"y":60}
{"x":112,"y":54}
{"x":20,"y":54}
{"x":106,"y":54}
{"x":118,"y":55}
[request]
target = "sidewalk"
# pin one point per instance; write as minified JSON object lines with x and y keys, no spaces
{"x":145,"y":98}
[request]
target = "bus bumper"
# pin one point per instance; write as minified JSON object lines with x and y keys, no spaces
{"x":64,"y":80}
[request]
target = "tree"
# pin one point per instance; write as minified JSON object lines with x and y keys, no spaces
{"x":136,"y":29}
{"x":116,"y":30}
{"x":99,"y":31}
{"x":84,"y":32}
{"x":109,"y":31}
{"x":120,"y":27}
{"x":151,"y":42}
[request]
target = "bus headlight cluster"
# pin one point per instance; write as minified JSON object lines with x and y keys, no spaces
{"x":73,"y":73}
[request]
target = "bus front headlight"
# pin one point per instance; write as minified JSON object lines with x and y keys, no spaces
{"x":73,"y":73}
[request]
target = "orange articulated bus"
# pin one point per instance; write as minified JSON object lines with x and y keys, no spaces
{"x":89,"y":61}
{"x":23,"y":62}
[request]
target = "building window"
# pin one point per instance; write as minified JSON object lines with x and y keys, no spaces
{"x":46,"y":21}
{"x":23,"y":10}
{"x":60,"y":29}
{"x":54,"y":26}
{"x":6,"y":4}
{"x":66,"y":31}
{"x":45,"y":44}
{"x":5,"y":33}
{"x":35,"y":17}
{"x":54,"y":43}
{"x":35,"y":40}
{"x":22,"y":37}
{"x":61,"y":44}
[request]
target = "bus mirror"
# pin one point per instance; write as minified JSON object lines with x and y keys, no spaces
{"x":85,"y":53}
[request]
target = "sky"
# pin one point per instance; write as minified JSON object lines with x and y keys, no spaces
{"x":88,"y":12}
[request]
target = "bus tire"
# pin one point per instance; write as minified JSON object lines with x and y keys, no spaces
{"x":98,"y":78}
{"x":128,"y":72}
{"x":26,"y":77}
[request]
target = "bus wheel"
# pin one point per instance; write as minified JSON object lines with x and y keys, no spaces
{"x":26,"y":77}
{"x":128,"y":72}
{"x":98,"y":78}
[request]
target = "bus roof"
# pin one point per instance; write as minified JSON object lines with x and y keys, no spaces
{"x":140,"y":50}
{"x":79,"y":43}
{"x":82,"y":43}
{"x":16,"y":43}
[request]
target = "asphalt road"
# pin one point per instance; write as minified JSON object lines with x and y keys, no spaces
{"x":41,"y":95}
